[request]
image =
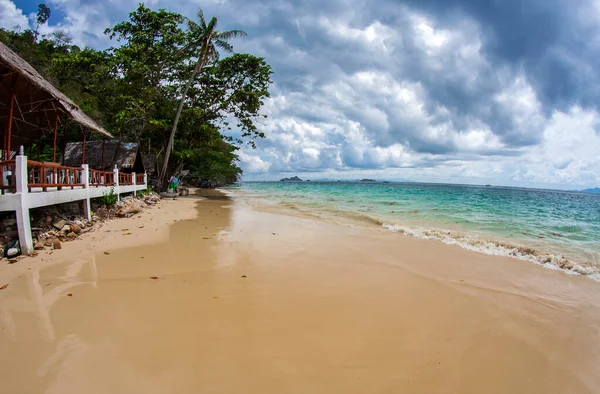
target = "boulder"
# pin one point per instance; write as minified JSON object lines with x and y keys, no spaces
{"x":71,"y":235}
{"x":65,"y":229}
{"x":9,"y":222}
{"x":75,"y":229}
{"x":12,"y":248}
{"x":38,"y":246}
{"x":59,"y":224}
{"x":56,"y":244}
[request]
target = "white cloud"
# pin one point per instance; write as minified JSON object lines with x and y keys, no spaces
{"x":389,"y":90}
{"x":11,"y":16}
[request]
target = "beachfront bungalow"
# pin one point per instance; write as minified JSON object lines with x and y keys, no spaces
{"x":106,"y":156}
{"x":31,"y":109}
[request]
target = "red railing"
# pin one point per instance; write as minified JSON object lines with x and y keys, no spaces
{"x":125,"y":179}
{"x":45,"y":175}
{"x":102,"y":178}
{"x":7,"y":180}
{"x":139,"y":179}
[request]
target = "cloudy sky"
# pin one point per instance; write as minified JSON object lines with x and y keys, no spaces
{"x":464,"y":91}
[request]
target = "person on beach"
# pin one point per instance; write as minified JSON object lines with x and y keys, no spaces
{"x":173,"y":183}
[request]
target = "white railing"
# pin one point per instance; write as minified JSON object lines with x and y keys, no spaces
{"x":30,"y":184}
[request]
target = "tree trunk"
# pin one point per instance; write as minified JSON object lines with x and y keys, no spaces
{"x":201,"y":62}
{"x":163,"y":174}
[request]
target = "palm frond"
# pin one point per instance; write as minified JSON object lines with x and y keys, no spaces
{"x":192,"y":25}
{"x":212,"y":24}
{"x":200,"y":15}
{"x":228,"y":35}
{"x":224,"y":45}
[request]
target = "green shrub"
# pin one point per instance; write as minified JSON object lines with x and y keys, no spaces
{"x":110,"y":198}
{"x":142,"y":193}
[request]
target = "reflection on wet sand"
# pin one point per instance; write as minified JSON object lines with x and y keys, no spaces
{"x":260,"y":302}
{"x":43,"y":294}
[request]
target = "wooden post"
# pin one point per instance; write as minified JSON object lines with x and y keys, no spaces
{"x":83,"y":149}
{"x":11,"y":109}
{"x":55,"y":133}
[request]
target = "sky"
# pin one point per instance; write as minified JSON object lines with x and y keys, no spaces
{"x":459,"y":91}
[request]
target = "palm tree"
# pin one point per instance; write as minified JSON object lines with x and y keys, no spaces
{"x":206,"y":39}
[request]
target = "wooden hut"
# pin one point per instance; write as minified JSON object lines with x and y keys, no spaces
{"x":105,"y":156}
{"x":31,"y":107}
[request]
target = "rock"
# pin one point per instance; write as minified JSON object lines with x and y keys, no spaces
{"x":59,"y":224}
{"x":12,"y":252}
{"x":65,"y":229}
{"x":71,"y":235}
{"x":38,"y":246}
{"x":56,"y":244}
{"x":12,"y":248}
{"x":75,"y":229}
{"x":128,"y":210}
{"x":9,"y":222}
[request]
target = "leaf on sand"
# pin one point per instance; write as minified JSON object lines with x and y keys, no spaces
{"x":126,"y":233}
{"x":244,"y":276}
{"x":3,"y":287}
{"x":70,"y":295}
{"x":124,"y":229}
{"x":106,"y":253}
{"x":215,"y":297}
{"x":206,"y":238}
{"x":154,"y":277}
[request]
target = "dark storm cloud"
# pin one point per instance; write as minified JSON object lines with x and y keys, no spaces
{"x":550,"y":38}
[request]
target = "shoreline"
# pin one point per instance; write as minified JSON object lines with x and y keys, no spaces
{"x":228,"y":298}
{"x":474,"y":242}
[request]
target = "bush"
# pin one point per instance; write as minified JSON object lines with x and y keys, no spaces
{"x":110,"y":198}
{"x":142,"y":193}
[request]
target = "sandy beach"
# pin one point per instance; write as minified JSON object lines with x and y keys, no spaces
{"x":219,"y":296}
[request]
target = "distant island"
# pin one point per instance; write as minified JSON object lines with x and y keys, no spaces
{"x":593,"y":190}
{"x":368,"y":180}
{"x":292,"y":179}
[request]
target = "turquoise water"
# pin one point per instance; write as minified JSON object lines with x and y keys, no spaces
{"x":555,"y":228}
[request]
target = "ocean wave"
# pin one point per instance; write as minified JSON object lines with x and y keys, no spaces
{"x":501,"y":248}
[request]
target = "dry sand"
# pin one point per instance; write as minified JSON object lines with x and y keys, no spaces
{"x":250,"y":301}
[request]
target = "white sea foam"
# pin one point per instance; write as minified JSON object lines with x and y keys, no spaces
{"x":498,"y":248}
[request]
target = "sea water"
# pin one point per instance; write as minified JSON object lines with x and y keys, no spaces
{"x":558,"y":229}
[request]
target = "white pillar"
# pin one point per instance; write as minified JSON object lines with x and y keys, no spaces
{"x":116,"y":174}
{"x":134,"y":183}
{"x":85,"y":178}
{"x":146,"y":179}
{"x":22,"y":212}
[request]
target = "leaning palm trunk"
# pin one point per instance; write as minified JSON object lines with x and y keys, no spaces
{"x":209,"y":39}
{"x":163,"y":173}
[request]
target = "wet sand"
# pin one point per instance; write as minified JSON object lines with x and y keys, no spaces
{"x":259,"y":300}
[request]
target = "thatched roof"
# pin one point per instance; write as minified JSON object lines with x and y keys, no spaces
{"x":124,"y":155}
{"x":37,"y":101}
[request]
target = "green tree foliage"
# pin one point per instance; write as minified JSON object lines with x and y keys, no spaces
{"x":135,"y":89}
